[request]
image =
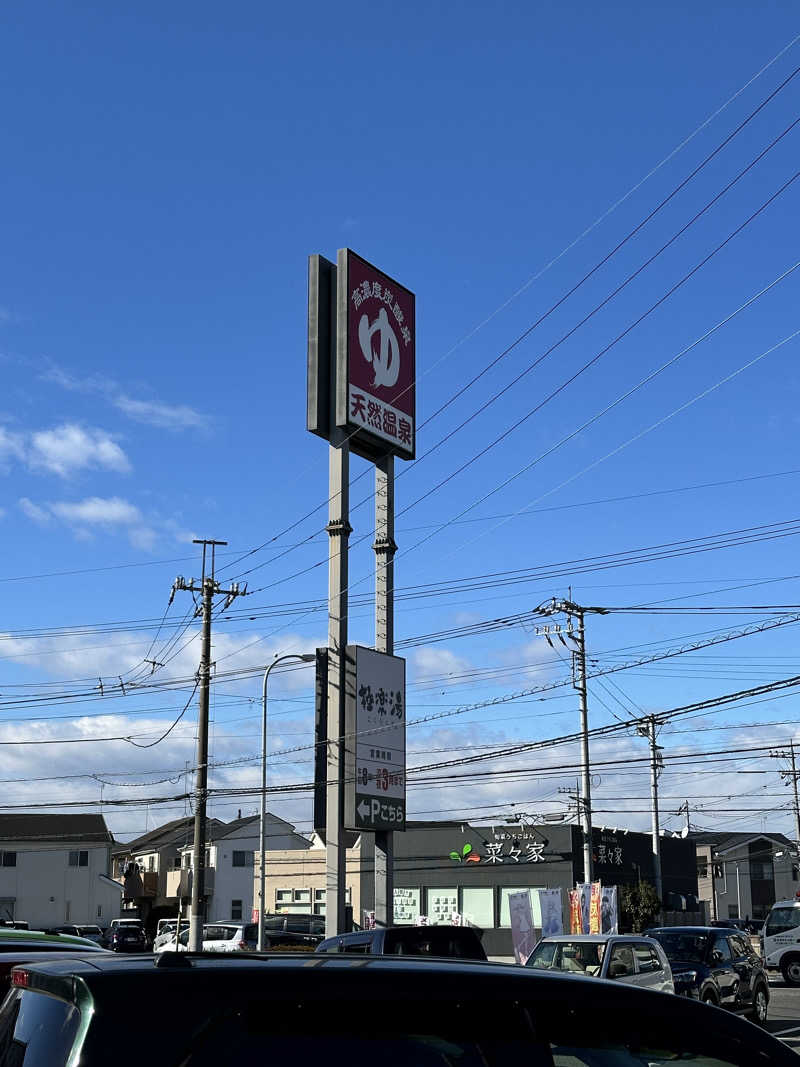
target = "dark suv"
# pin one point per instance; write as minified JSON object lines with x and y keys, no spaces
{"x":202,"y":1011}
{"x":717,"y":966}
{"x":456,"y":942}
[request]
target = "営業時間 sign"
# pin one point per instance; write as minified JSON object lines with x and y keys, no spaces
{"x":375,"y":740}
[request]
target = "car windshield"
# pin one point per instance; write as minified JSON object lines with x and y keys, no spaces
{"x":782,"y":919}
{"x":680,"y":945}
{"x":574,"y":957}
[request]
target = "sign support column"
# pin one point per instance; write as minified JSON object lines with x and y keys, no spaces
{"x":339,"y":531}
{"x":385,"y":549}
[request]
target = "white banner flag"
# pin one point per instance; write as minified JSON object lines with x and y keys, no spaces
{"x":522,"y":934}
{"x":552,"y":912}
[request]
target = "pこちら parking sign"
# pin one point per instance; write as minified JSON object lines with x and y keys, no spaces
{"x":375,"y":359}
{"x":375,"y":740}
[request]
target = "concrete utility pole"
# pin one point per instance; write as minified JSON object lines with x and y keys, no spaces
{"x":339,"y":530}
{"x":648,"y":730}
{"x":208,"y":589}
{"x":576,"y":611}
{"x":792,"y":775}
{"x":385,"y":549}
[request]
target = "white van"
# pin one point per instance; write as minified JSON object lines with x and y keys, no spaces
{"x":780,"y":940}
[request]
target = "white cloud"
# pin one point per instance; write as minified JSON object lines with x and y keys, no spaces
{"x":165,"y":416}
{"x":69,"y":448}
{"x":434,"y":662}
{"x":108,"y":511}
{"x":33,"y":511}
{"x":11,"y":445}
{"x":149,"y":411}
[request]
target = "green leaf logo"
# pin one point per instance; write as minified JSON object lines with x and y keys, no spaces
{"x":455,"y":856}
{"x":465,"y":851}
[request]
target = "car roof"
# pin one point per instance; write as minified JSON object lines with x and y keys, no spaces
{"x":596,"y":939}
{"x":689,"y":929}
{"x":39,"y":937}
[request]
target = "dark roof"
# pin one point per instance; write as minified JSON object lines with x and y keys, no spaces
{"x":722,"y":840}
{"x":238,"y":824}
{"x":55,"y":827}
{"x":178,"y":832}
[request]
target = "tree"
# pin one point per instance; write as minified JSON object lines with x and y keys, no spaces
{"x":639,"y":906}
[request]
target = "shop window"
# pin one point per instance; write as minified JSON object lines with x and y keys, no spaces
{"x":441,"y":905}
{"x":536,"y":911}
{"x":406,"y":906}
{"x":477,"y":906}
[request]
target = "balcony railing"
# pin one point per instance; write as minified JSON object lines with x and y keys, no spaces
{"x":179,"y":883}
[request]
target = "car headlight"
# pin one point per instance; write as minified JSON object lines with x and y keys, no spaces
{"x":686,"y":978}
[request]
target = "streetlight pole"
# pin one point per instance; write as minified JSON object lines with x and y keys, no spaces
{"x":305,"y":657}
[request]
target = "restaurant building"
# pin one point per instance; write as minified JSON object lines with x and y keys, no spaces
{"x":456,"y":871}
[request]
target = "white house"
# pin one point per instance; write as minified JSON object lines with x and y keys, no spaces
{"x":230,"y":849}
{"x":56,"y":869}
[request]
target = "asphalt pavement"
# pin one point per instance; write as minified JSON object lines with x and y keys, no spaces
{"x":784,"y":1012}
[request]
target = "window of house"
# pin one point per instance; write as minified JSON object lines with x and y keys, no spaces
{"x":151,"y":863}
{"x":7,"y":907}
{"x":240,"y":858}
{"x":536,"y":911}
{"x":8,"y":859}
{"x":283,"y":896}
{"x":702,"y":869}
{"x":236,"y":909}
{"x":176,"y":862}
{"x":79,"y":858}
{"x":733,"y":911}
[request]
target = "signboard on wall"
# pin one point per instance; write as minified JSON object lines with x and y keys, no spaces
{"x":375,"y":740}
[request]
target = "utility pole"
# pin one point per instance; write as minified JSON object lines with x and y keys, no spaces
{"x":385,"y":548}
{"x":648,"y":729}
{"x":578,"y":636}
{"x":792,"y":775}
{"x":207,"y":589}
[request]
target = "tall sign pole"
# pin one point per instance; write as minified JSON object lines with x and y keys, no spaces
{"x":385,"y":548}
{"x":362,"y":399}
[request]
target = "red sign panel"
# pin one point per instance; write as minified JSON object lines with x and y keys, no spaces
{"x":380,"y":360}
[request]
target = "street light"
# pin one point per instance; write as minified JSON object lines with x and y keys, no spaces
{"x":305,"y":657}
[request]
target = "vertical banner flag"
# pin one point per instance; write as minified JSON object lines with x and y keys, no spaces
{"x":575,"y":912}
{"x":585,"y":892}
{"x":552,"y":915}
{"x":522,"y":935}
{"x":594,"y":909}
{"x":609,"y":915}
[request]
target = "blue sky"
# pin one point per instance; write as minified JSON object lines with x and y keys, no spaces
{"x":165,"y":176}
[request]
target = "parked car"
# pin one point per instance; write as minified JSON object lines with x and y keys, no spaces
{"x":89,"y":931}
{"x":716,"y":966}
{"x":749,"y":926}
{"x":23,"y":946}
{"x":126,"y":938}
{"x":620,"y":957}
{"x":295,"y":923}
{"x":322,"y":1009}
{"x":217,"y":937}
{"x":456,"y":942}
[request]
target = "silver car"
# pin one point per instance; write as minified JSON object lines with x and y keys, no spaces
{"x":627,"y":958}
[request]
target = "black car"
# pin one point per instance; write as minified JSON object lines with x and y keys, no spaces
{"x":717,"y":966}
{"x":330,"y":1009}
{"x":452,"y":942}
{"x":126,"y":938}
{"x":310,"y":927}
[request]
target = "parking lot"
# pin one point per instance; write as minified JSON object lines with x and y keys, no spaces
{"x":784,"y":1013}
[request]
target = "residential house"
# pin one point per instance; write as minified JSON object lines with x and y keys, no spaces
{"x":56,"y":868}
{"x":741,"y":875}
{"x":230,"y":851}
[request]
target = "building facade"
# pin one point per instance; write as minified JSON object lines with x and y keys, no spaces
{"x":454,"y":871}
{"x":741,"y":875}
{"x":56,"y":869}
